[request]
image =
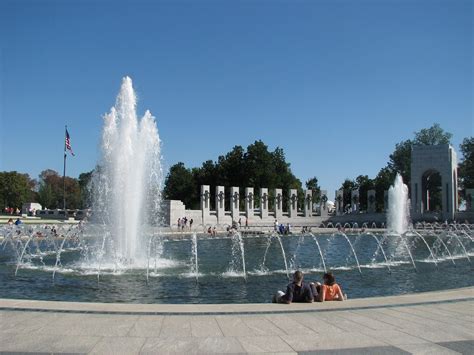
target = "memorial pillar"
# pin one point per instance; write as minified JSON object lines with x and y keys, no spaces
{"x":263,"y":202}
{"x":355,"y":201}
{"x":323,"y":207}
{"x":278,"y":203}
{"x":308,"y":203}
{"x":220,"y":203}
{"x":234,"y":203}
{"x":205,"y":203}
{"x":293,"y":203}
{"x":249,"y":199}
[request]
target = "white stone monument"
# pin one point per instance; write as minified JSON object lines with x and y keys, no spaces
{"x":249,"y":202}
{"x":425,"y":161}
{"x":323,"y":203}
{"x":308,"y":203}
{"x":205,"y":202}
{"x":234,"y":203}
{"x":220,"y":203}
{"x":293,"y":203}
{"x":263,"y":203}
{"x":278,"y":203}
{"x":355,"y":201}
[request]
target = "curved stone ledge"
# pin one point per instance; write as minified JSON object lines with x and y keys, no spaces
{"x":445,"y":296}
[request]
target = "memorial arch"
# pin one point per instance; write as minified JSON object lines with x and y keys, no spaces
{"x":434,"y":182}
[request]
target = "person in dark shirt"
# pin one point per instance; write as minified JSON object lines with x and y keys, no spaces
{"x":296,"y":291}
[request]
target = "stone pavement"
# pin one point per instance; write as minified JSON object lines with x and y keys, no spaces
{"x":423,"y":323}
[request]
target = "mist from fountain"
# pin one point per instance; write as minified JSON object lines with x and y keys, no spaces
{"x":398,"y":207}
{"x":127,"y":182}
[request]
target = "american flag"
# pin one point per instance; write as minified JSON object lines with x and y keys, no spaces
{"x":68,"y":143}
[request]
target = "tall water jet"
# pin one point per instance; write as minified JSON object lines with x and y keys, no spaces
{"x":127,"y":182}
{"x":398,"y":207}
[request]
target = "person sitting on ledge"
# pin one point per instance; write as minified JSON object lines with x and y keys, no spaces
{"x":296,"y":291}
{"x":328,"y":291}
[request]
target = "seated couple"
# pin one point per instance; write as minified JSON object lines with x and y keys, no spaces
{"x":300,"y":291}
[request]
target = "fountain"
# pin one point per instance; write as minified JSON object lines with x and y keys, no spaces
{"x":398,"y":207}
{"x":127,"y":183}
{"x":121,"y":255}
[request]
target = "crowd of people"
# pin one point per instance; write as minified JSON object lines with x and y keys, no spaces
{"x":282,"y":228}
{"x":300,"y":291}
{"x":183,"y":223}
{"x":12,"y":211}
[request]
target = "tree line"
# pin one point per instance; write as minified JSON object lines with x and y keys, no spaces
{"x":255,"y":166}
{"x":17,"y":188}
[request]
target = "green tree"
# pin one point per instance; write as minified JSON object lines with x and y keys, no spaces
{"x":179,"y":185}
{"x":400,"y":160}
{"x":382,"y":182}
{"x":16,"y":189}
{"x":257,"y":167}
{"x":51,"y":192}
{"x":207,"y":174}
{"x":432,"y":136}
{"x":232,"y":167}
{"x":312,"y":184}
{"x":50,"y":189}
{"x":85,"y":181}
{"x":347,"y":186}
{"x":284,"y":178}
{"x":260,"y":166}
{"x":46,"y":197}
{"x":364,"y":184}
{"x":466,"y":166}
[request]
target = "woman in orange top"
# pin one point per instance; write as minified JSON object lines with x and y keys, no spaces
{"x":329,"y":290}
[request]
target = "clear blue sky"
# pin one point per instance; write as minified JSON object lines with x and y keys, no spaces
{"x":336,"y":84}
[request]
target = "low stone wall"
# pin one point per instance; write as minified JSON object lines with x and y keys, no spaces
{"x":61,"y":214}
{"x":176,"y":209}
{"x":462,"y":217}
{"x":359,"y":218}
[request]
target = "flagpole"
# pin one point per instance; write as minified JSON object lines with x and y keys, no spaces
{"x":64,"y":172}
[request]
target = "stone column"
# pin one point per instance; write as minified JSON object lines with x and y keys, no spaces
{"x":385,"y":200}
{"x":371,"y":201}
{"x":234,"y":203}
{"x":293,"y":203}
{"x":249,"y":200}
{"x":339,"y":202}
{"x":355,"y":201}
{"x":205,"y":202}
{"x":308,"y":203}
{"x":470,"y":200}
{"x":278,"y":203}
{"x":263,"y":202}
{"x":323,"y":203}
{"x":220,"y":203}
